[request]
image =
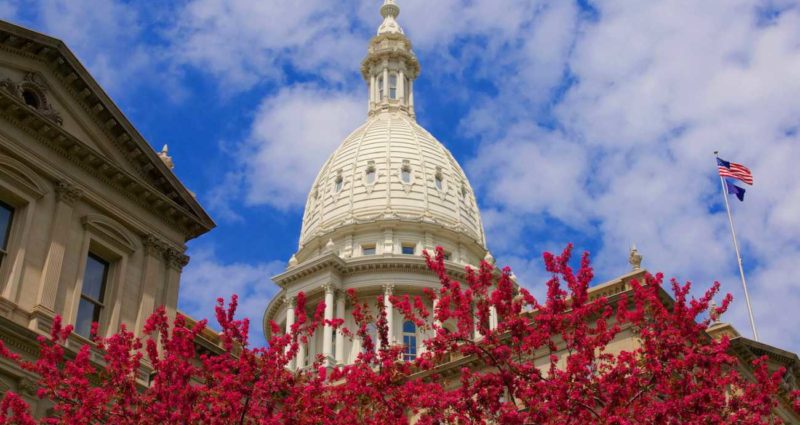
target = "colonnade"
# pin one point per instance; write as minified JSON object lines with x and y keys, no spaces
{"x":333,"y":345}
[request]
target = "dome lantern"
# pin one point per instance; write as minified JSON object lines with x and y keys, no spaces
{"x":391,"y":66}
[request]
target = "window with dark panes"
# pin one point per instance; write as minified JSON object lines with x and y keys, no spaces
{"x":6,"y":215}
{"x":409,"y":341}
{"x":93,"y":290}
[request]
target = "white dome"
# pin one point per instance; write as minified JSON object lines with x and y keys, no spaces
{"x":391,"y":169}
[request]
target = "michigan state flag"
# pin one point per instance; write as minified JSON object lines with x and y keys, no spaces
{"x":735,"y":190}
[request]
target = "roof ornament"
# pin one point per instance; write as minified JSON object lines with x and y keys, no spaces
{"x":293,"y":261}
{"x":713,"y":313}
{"x":165,"y":158}
{"x":329,"y":246}
{"x":489,"y":258}
{"x":390,"y":10}
{"x":635,"y":259}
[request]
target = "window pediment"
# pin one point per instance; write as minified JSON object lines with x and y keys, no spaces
{"x":111,"y":230}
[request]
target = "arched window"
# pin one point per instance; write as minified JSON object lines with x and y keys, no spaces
{"x":380,"y":88}
{"x":392,"y":86}
{"x":409,"y":341}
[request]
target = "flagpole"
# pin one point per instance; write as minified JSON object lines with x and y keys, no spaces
{"x":738,"y":255}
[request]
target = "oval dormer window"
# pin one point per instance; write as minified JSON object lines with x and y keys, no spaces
{"x":439,"y":179}
{"x":338,"y":183}
{"x":31,"y":98}
{"x":405,"y":172}
{"x":369,"y":175}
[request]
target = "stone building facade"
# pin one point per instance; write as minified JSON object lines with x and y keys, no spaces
{"x":93,"y":223}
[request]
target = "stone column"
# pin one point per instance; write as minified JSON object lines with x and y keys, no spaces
{"x":301,"y":355}
{"x":289,"y":322}
{"x":327,"y":330}
{"x":339,"y":351}
{"x":436,"y":306}
{"x":371,"y":90}
{"x":411,"y":94}
{"x":154,"y":249}
{"x":401,"y":87}
{"x":387,"y":292}
{"x":492,"y":318}
{"x":66,"y":197}
{"x":385,"y":83}
{"x":477,"y":322}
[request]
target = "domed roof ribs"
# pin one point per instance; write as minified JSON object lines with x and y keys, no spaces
{"x":370,"y":124}
{"x":423,"y":170}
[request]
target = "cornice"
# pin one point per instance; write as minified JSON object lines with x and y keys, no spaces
{"x":372,"y":263}
{"x":97,"y":164}
{"x":151,"y":173}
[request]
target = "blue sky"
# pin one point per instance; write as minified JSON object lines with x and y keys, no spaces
{"x":591,"y":122}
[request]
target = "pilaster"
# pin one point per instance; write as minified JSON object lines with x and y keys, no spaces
{"x":176,"y":261}
{"x":154,"y":251}
{"x":67,"y":195}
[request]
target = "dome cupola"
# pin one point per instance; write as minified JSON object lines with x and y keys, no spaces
{"x":390,"y":67}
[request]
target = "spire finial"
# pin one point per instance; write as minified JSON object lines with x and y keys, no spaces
{"x":390,"y":10}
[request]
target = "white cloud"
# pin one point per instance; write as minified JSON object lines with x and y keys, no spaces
{"x":243,"y":42}
{"x":206,"y":278}
{"x":658,"y":86}
{"x":104,"y":34}
{"x":292,"y":134}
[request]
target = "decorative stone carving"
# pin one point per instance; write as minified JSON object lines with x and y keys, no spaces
{"x":10,"y":86}
{"x":176,"y":259}
{"x":153,"y":245}
{"x":28,"y":387}
{"x":32,"y":91}
{"x":68,"y":192}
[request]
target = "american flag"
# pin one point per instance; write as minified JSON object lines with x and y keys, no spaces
{"x":734,"y":170}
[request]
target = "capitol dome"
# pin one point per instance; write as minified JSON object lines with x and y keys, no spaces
{"x":391,"y":169}
{"x":389,"y":193}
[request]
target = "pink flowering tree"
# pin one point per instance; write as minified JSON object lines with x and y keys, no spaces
{"x":546,"y":362}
